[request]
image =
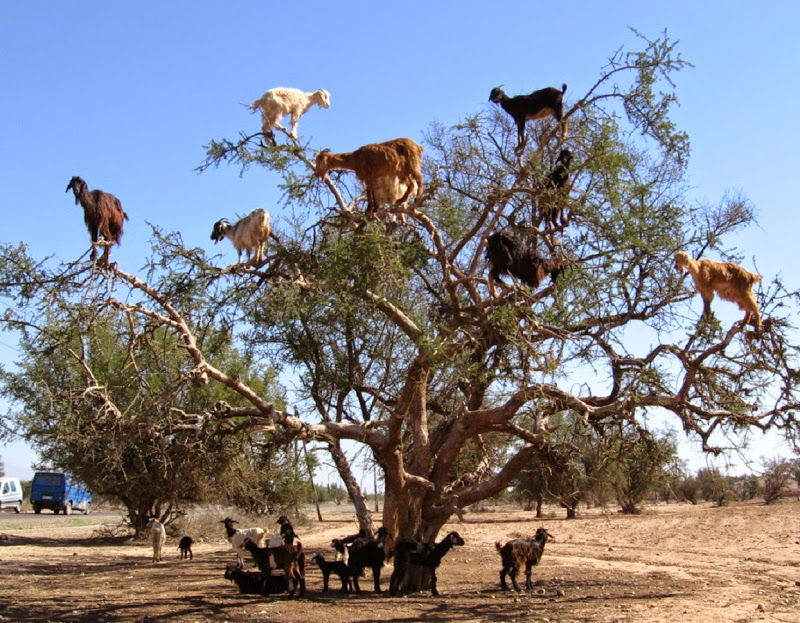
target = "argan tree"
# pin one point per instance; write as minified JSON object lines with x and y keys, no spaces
{"x":394,"y":340}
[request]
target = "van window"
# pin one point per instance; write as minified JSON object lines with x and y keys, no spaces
{"x":13,"y":486}
{"x":6,"y":487}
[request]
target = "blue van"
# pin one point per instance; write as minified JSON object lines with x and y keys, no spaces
{"x":59,"y":492}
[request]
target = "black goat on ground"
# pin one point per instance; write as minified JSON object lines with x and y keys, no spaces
{"x":252,"y":582}
{"x":102,"y":213}
{"x":547,"y":102}
{"x":368,"y":552}
{"x":338,"y":567}
{"x":185,"y":545}
{"x":409,"y":552}
{"x":552,"y":201}
{"x":519,"y":552}
{"x":508,"y":256}
{"x":284,"y":557}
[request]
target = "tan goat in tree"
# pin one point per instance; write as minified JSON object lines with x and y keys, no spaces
{"x":399,"y":158}
{"x":729,"y":280}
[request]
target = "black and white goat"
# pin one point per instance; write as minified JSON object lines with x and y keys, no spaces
{"x":285,"y":557}
{"x":547,"y":102}
{"x":519,"y":552}
{"x":342,"y":546}
{"x":508,"y":256}
{"x":368,"y":552}
{"x":338,"y":567}
{"x":249,"y":234}
{"x":409,"y":552}
{"x":238,"y":537}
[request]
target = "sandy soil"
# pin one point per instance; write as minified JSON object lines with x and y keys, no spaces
{"x":673,"y":563}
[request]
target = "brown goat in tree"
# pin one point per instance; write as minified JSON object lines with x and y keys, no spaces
{"x":731,"y":281}
{"x":508,"y":256}
{"x":399,"y":158}
{"x":102,"y":213}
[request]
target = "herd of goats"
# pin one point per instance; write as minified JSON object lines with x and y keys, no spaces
{"x":391,"y":172}
{"x":281,"y":559}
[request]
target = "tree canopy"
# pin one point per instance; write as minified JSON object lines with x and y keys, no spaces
{"x":388,"y":326}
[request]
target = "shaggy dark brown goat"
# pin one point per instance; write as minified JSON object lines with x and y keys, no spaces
{"x":553,"y":200}
{"x":508,"y":256}
{"x":409,"y":552}
{"x":284,"y":557}
{"x":399,"y":159}
{"x":731,"y":281}
{"x":547,"y":102}
{"x":102,"y":213}
{"x":519,"y":552}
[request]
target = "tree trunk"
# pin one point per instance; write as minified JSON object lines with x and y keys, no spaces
{"x":353,"y":490}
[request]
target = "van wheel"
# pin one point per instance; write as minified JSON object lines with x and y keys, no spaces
{"x":87,"y":509}
{"x":37,"y":509}
{"x":68,"y":508}
{"x":18,"y":507}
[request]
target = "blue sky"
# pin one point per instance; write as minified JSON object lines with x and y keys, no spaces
{"x":126,"y":94}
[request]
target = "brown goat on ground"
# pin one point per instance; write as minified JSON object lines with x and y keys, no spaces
{"x":731,"y":281}
{"x":508,"y":256}
{"x":519,"y":552}
{"x":102,"y":213}
{"x":543,"y":103}
{"x":400,"y":158}
{"x":285,"y":557}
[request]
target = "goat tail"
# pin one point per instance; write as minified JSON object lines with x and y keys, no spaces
{"x":755,"y":278}
{"x":563,"y":88}
{"x":498,"y":545}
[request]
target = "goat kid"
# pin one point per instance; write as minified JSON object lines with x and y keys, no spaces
{"x":249,"y":234}
{"x":519,"y":552}
{"x":547,"y":102}
{"x":409,"y":552}
{"x":185,"y":545}
{"x":731,"y":281}
{"x":281,"y":101}
{"x":508,"y":256}
{"x":342,"y":546}
{"x":338,"y":567}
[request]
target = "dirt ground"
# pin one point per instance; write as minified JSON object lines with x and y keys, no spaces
{"x":673,"y":563}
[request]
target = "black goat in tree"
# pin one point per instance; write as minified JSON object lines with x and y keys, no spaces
{"x":409,"y":552}
{"x":103,"y":215}
{"x":553,"y":200}
{"x":547,"y":102}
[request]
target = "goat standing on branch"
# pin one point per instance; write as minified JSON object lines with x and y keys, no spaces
{"x":731,"y":281}
{"x":547,"y":102}
{"x":508,"y":256}
{"x":400,"y":160}
{"x":102,"y":213}
{"x":281,"y":101}
{"x":250,"y":233}
{"x":553,"y":200}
